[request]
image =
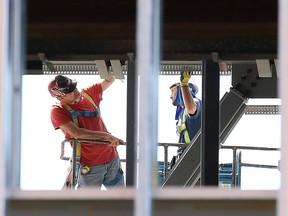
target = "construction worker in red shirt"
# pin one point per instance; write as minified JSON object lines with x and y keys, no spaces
{"x":78,"y":115}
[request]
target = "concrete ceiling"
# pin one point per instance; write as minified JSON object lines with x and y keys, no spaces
{"x":70,"y":29}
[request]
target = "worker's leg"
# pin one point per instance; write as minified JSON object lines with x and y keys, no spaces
{"x":94,"y":178}
{"x":114,"y":175}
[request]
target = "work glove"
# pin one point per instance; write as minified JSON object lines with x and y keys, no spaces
{"x":185,"y":77}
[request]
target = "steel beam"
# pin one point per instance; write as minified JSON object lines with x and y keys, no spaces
{"x":210,"y":123}
{"x":186,"y":172}
{"x":131,"y":130}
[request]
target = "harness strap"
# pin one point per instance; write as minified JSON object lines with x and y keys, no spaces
{"x":89,"y":98}
{"x":74,"y":114}
{"x":86,"y":113}
{"x":181,"y":128}
{"x":75,"y":120}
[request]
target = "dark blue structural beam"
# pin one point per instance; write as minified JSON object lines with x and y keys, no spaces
{"x":210,"y":123}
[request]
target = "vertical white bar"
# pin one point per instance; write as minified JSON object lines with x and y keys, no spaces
{"x":148,"y":67}
{"x":17,"y":52}
{"x":282,"y":208}
{"x":3,"y":70}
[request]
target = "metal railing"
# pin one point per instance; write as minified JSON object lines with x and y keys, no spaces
{"x":236,"y":155}
{"x":73,"y":159}
{"x":73,"y":141}
{"x":165,"y":146}
{"x":236,"y":159}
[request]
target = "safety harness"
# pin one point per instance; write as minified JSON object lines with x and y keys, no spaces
{"x":181,"y":125}
{"x":74,"y":115}
{"x":181,"y":128}
{"x":88,"y":113}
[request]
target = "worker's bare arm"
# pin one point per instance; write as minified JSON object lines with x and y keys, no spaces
{"x":82,"y":133}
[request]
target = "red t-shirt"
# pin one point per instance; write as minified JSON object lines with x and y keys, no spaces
{"x":91,"y":153}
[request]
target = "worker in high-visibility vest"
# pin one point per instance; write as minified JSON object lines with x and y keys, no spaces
{"x":188,"y":111}
{"x":77,"y":114}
